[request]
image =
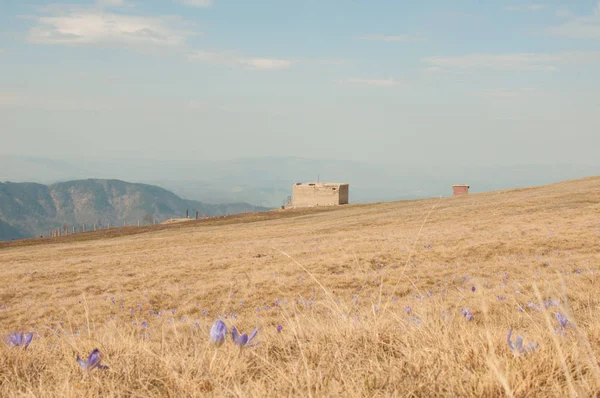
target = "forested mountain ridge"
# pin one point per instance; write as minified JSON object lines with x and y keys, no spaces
{"x":31,"y":209}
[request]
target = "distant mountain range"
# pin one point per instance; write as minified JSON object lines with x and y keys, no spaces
{"x":267,"y":181}
{"x":31,"y":209}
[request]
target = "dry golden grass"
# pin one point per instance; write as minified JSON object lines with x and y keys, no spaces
{"x":338,"y":281}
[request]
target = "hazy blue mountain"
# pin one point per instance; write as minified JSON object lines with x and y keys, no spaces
{"x":267,"y":181}
{"x":31,"y":209}
{"x":8,"y":232}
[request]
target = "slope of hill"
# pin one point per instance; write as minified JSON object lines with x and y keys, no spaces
{"x":411,"y":298}
{"x":32,"y":209}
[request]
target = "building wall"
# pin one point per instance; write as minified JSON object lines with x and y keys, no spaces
{"x":460,"y":190}
{"x":319,"y":194}
{"x":344,"y":194}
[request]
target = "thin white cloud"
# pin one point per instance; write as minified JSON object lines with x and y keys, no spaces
{"x":265,"y":63}
{"x":580,"y":27}
{"x":196,"y":3}
{"x":75,"y":25}
{"x":526,"y":7}
{"x":370,"y":82}
{"x":514,"y":61}
{"x":230,"y":59}
{"x":391,"y":38}
{"x":506,"y":92}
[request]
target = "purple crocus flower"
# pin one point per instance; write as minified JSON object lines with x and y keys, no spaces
{"x":551,"y":303}
{"x":218,"y":332}
{"x":20,"y":339}
{"x":467,"y":313}
{"x":92,"y":362}
{"x":279,"y":328}
{"x":517,"y":346}
{"x":562,"y":320}
{"x":244,"y":339}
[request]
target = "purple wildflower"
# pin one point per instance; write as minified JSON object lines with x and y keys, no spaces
{"x":243,"y":339}
{"x":517,"y":346}
{"x":92,"y":362}
{"x":473,"y":288}
{"x":218,"y":332}
{"x":408,"y":309}
{"x":550,"y":303}
{"x":562,"y":320}
{"x":20,"y":339}
{"x":279,"y":328}
{"x":467,"y":313}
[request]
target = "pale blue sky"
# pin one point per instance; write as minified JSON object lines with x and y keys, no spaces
{"x":501,"y":82}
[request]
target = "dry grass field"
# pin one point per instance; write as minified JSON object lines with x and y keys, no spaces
{"x":371,"y":300}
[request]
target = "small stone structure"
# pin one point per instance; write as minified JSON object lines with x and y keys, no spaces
{"x":319,"y":194}
{"x":460,"y":189}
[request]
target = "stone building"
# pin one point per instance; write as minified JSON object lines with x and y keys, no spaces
{"x":319,"y":194}
{"x":460,"y":189}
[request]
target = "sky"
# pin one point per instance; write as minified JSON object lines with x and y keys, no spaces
{"x":378,"y":81}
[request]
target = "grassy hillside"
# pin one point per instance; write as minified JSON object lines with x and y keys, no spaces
{"x":371,"y":300}
{"x":33,"y":209}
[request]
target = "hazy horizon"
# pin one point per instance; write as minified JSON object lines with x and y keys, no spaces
{"x":473,"y":84}
{"x":267,"y":181}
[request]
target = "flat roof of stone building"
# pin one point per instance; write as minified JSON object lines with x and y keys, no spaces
{"x":323,"y":184}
